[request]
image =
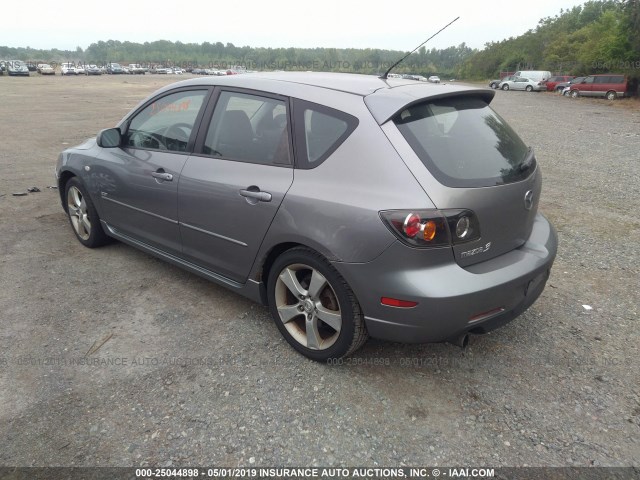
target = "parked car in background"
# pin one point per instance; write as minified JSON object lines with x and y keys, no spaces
{"x":114,"y":69}
{"x":136,"y":69}
{"x":3,"y":67}
{"x":45,"y":69}
{"x":496,"y":83}
{"x":93,"y":70}
{"x":434,"y":79}
{"x":521,"y":83}
{"x":67,"y":68}
{"x":32,"y":67}
{"x":401,"y":210}
{"x":17,"y":68}
{"x":563,"y":87}
{"x":554,"y":81}
{"x":610,"y":86}
{"x":80,"y":69}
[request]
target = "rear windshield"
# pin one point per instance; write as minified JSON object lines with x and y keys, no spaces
{"x":464,"y":143}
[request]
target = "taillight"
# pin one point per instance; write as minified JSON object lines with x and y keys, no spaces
{"x":432,"y":228}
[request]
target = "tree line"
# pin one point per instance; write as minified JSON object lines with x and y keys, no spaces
{"x":597,"y":37}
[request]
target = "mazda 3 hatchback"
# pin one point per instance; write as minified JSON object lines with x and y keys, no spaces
{"x":351,"y":205}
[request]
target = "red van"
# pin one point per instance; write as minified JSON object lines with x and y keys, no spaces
{"x":607,"y":85}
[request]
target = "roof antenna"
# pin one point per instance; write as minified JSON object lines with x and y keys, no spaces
{"x":386,"y":74}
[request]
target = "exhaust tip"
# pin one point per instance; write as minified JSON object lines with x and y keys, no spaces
{"x":461,"y":340}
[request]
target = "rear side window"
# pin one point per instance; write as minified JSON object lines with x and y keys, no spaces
{"x":464,"y":143}
{"x":610,"y":79}
{"x":320,"y":131}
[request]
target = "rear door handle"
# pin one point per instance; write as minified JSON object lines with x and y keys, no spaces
{"x":162,"y":175}
{"x":257,"y":195}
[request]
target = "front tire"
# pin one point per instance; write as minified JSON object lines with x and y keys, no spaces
{"x":574,"y":93}
{"x":611,"y":95}
{"x":505,"y":87}
{"x":314,"y":307}
{"x":529,"y":88}
{"x":83,"y":215}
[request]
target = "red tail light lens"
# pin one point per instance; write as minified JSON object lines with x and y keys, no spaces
{"x":432,"y":228}
{"x":411,"y":225}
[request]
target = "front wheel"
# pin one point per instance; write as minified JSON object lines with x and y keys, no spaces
{"x":611,"y":95}
{"x":505,"y":87}
{"x":574,"y":93}
{"x":83,"y":215}
{"x":529,"y":88}
{"x":313,"y":306}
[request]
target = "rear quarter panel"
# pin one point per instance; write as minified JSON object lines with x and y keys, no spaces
{"x":334,"y":207}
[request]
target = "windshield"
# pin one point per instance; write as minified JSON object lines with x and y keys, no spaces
{"x":464,"y":143}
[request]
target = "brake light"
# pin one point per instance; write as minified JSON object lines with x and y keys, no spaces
{"x":411,"y":225}
{"x":432,"y":228}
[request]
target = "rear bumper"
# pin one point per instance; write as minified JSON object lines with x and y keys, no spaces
{"x":451,"y":300}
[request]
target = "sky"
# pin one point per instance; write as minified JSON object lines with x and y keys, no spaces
{"x":391,"y":25}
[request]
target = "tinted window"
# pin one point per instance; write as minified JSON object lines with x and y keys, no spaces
{"x":603,"y":79}
{"x":249,"y":128}
{"x":166,"y":123}
{"x":323,"y":131}
{"x":464,"y":143}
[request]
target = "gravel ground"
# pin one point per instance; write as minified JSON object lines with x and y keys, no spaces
{"x":111,"y":357}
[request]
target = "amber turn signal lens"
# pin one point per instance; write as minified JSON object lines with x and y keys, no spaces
{"x":429,"y":230}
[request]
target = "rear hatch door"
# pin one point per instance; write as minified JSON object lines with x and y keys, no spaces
{"x":466,"y":156}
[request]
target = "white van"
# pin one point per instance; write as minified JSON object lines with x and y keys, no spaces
{"x":538,"y":75}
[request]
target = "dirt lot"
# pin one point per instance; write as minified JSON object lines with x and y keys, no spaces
{"x":111,"y":357}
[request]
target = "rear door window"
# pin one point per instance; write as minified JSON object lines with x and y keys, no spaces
{"x":249,"y":128}
{"x":464,"y":143}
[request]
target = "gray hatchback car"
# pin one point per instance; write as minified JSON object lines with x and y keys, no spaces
{"x":351,"y":205}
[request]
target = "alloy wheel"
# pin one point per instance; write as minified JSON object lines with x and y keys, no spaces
{"x":308,"y":306}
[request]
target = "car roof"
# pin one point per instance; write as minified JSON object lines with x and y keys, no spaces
{"x":383,"y":97}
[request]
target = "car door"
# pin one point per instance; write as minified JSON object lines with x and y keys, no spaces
{"x":231,"y":189}
{"x":520,"y":83}
{"x":139,"y":181}
{"x":586,"y":87}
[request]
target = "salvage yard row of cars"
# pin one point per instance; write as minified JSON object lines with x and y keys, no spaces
{"x":609,"y":86}
{"x":21,"y":68}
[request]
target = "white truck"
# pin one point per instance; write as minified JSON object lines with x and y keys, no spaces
{"x":537,"y":75}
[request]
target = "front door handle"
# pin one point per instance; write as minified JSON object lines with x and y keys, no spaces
{"x":162,"y":175}
{"x":255,"y":193}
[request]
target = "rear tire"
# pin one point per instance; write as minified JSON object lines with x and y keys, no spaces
{"x":83,"y":215}
{"x":314,"y":307}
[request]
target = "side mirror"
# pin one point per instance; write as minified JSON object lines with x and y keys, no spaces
{"x":109,"y":138}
